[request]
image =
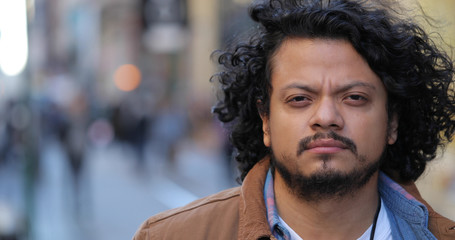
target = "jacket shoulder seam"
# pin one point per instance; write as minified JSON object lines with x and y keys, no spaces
{"x":189,"y":207}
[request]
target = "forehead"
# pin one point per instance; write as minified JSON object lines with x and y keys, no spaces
{"x":316,"y":60}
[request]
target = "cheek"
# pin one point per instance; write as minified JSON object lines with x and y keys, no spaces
{"x":285,"y":133}
{"x":371,"y":135}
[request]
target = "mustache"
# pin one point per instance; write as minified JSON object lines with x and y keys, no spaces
{"x":303,"y":144}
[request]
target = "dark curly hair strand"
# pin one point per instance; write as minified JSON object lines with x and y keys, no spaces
{"x":418,"y":75}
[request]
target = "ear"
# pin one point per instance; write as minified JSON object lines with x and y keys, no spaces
{"x":266,"y":129}
{"x":393,"y":130}
{"x":265,"y":126}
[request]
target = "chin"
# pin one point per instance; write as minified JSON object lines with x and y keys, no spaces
{"x":329,"y":179}
{"x":331,"y":165}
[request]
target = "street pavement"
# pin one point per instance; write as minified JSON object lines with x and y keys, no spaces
{"x":116,"y":195}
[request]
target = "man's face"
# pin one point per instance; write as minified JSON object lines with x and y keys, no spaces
{"x":328,"y":112}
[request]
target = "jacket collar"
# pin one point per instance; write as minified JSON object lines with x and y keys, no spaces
{"x":252,"y":216}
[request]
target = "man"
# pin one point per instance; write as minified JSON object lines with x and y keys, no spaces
{"x":336,"y":108}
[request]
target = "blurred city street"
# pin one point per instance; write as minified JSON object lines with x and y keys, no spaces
{"x":116,"y":196}
{"x":105,"y":113}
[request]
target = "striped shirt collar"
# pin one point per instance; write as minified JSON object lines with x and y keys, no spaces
{"x":277,"y":228}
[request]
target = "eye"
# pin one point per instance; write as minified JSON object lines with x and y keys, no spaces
{"x":299,"y":101}
{"x":355,"y":99}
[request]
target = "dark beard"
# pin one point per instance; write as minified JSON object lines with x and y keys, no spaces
{"x":326,"y":183}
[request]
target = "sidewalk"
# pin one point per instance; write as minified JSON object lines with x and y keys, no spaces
{"x":115,"y":197}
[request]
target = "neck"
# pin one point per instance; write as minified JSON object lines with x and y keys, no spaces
{"x":346,"y":217}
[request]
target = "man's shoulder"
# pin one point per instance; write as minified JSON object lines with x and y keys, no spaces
{"x":202,"y":204}
{"x":218,"y":211}
{"x":408,"y":194}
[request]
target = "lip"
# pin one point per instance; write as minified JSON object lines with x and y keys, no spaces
{"x":325,"y":146}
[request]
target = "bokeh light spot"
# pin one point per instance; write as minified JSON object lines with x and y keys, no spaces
{"x":127,"y":77}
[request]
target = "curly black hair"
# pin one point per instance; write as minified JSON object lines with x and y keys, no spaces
{"x":417,"y":74}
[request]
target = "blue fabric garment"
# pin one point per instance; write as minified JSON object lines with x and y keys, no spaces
{"x":278,"y":230}
{"x":408,"y":217}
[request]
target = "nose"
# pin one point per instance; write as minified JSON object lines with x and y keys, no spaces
{"x":326,"y":116}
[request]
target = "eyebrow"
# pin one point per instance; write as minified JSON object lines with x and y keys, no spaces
{"x":355,"y":84}
{"x":298,"y":86}
{"x":340,"y":89}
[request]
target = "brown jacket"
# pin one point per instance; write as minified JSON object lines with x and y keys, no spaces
{"x":240,"y":213}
